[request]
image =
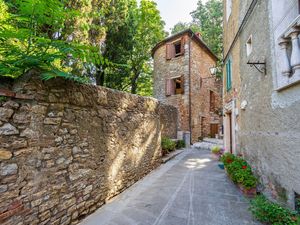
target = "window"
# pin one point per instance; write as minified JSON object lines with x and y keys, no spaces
{"x":175,"y":86}
{"x":228,"y":8}
{"x":175,"y":49}
{"x":228,"y":74}
{"x":249,"y":45}
{"x":211,"y":101}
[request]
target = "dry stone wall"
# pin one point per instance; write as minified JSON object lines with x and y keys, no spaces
{"x":65,"y":148}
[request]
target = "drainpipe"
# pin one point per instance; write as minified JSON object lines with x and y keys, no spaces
{"x":190,"y":91}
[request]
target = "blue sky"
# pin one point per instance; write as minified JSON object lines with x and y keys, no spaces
{"x":173,"y":11}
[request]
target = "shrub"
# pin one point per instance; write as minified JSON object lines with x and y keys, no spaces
{"x":167,"y":144}
{"x":180,"y":144}
{"x":272,"y":213}
{"x":216,"y":149}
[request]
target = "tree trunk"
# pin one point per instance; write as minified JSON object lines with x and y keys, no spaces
{"x":100,"y":76}
{"x":134,"y":82}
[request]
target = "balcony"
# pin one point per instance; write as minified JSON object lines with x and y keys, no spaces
{"x":289,"y":57}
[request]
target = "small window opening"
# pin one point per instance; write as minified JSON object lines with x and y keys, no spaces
{"x":177,"y":49}
{"x":178,"y":86}
{"x":249,"y":46}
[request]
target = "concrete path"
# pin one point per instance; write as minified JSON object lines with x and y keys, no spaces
{"x":188,"y":190}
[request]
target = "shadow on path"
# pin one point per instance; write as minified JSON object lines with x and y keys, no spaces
{"x":189,"y":190}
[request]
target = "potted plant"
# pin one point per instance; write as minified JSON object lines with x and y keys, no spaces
{"x":240,"y":173}
{"x":217,"y":152}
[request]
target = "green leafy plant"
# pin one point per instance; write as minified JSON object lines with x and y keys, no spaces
{"x":239,"y":170}
{"x":2,"y":99}
{"x":168,"y":145}
{"x":180,"y":144}
{"x":272,"y":213}
{"x":216,"y":149}
{"x":227,"y":158}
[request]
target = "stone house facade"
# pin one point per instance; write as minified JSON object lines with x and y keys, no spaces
{"x":261,"y":91}
{"x":182,"y":78}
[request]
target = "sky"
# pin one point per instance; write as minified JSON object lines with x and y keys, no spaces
{"x":174,"y":11}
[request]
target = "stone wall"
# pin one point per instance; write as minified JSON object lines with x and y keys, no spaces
{"x":201,"y":61}
{"x":203,"y":115}
{"x":65,"y":148}
{"x":169,"y":121}
{"x":166,"y":69}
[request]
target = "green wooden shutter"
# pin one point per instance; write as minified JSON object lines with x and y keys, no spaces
{"x":228,"y":75}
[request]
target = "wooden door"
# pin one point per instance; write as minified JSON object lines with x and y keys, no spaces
{"x":214,"y":129}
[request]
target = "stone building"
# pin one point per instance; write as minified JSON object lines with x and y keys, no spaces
{"x":261,"y":91}
{"x":182,"y":78}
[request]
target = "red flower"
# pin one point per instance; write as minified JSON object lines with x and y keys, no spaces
{"x":229,"y":160}
{"x":244,"y":167}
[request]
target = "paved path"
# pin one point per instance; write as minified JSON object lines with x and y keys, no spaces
{"x":188,"y":190}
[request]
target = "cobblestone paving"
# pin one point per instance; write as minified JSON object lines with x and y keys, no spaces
{"x":188,"y":190}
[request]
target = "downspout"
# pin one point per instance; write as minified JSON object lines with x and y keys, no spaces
{"x":190,"y":92}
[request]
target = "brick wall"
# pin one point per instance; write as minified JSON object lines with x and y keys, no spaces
{"x":65,"y":148}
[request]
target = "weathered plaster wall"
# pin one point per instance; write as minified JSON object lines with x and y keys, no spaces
{"x":202,"y":114}
{"x":230,"y":97}
{"x":65,"y":148}
{"x":269,"y":136}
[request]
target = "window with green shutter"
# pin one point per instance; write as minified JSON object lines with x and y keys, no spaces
{"x":228,"y":74}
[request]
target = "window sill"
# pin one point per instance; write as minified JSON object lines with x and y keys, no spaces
{"x":290,"y":83}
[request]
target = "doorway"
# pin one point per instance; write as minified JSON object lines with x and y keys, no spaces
{"x":214,"y":130}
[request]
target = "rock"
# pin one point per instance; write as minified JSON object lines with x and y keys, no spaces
{"x":88,"y":189}
{"x":74,"y":131}
{"x":8,"y":129}
{"x":60,"y":160}
{"x":21,"y":118}
{"x":5,"y":114}
{"x":11,"y":105}
{"x":29,"y":133}
{"x":76,"y":150}
{"x":17,"y":144}
{"x":9,"y":169}
{"x":39,"y":109}
{"x":3,"y":188}
{"x":58,"y":140}
{"x":52,"y":121}
{"x":5,"y":155}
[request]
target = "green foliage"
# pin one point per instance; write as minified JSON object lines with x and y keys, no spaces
{"x":180,"y":144}
{"x":272,"y":213}
{"x":34,"y":35}
{"x":180,"y":26}
{"x":2,"y":99}
{"x":216,"y":149}
{"x":209,"y":17}
{"x":167,"y":144}
{"x":239,"y":171}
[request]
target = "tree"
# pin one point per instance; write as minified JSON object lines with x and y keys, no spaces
{"x":209,"y":17}
{"x":35,"y":34}
{"x":128,"y":46}
{"x":180,"y":26}
{"x":149,"y":31}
